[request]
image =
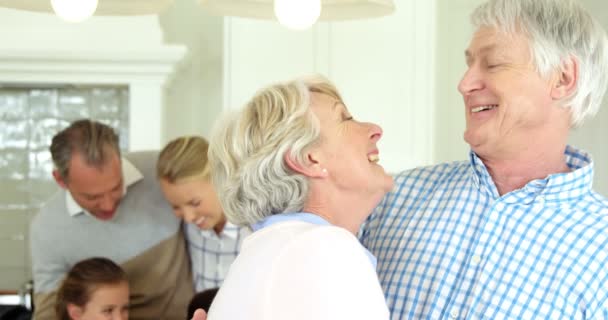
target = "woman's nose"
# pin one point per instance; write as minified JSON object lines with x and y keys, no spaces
{"x":375,"y":132}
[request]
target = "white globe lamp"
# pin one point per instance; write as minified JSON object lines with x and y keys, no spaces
{"x":297,"y":14}
{"x":74,"y":10}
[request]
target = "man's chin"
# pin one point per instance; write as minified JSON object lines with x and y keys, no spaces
{"x":105,"y":215}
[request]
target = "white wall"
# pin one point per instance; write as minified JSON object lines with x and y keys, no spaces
{"x":453,"y":35}
{"x":383,"y":67}
{"x":194,"y":97}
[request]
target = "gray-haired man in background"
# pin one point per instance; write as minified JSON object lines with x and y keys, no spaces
{"x":109,"y":206}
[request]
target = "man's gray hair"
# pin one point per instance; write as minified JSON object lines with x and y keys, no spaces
{"x":247,"y":151}
{"x":95,"y":141}
{"x":557,"y":30}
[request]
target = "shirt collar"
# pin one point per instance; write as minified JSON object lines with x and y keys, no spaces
{"x":130,"y":175}
{"x":296,"y":216}
{"x":230,"y":230}
{"x":304,"y":217}
{"x":556,"y":188}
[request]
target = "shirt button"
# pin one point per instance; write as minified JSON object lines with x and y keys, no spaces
{"x":454,"y":314}
{"x":540,"y":200}
{"x":476,"y":259}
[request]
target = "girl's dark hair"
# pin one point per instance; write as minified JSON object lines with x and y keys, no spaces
{"x":201,"y":300}
{"x":84,"y":278}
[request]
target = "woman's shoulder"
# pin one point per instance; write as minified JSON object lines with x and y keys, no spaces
{"x":322,"y":241}
{"x":302,"y":230}
{"x":301,"y":233}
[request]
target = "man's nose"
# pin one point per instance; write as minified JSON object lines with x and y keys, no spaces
{"x":108,"y":203}
{"x":471,"y":81}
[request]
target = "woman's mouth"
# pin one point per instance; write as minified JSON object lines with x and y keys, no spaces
{"x":200,"y":221}
{"x":373,"y":157}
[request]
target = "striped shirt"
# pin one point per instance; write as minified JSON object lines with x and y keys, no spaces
{"x":211,"y":254}
{"x":450,"y":247}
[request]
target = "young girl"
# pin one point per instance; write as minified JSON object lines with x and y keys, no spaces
{"x":94,"y":288}
{"x":213,"y":242}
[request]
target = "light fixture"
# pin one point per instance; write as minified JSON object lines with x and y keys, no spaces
{"x":297,"y":14}
{"x":331,"y":10}
{"x":104,"y":7}
{"x":74,"y":10}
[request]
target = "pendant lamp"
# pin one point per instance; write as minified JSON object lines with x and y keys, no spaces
{"x":104,"y":7}
{"x":331,"y":10}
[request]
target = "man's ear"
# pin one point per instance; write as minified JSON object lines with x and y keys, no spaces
{"x":59,"y":179}
{"x":74,"y":311}
{"x":311,"y":168}
{"x":567,"y":79}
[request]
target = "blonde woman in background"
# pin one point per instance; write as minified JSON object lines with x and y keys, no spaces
{"x":213,"y":242}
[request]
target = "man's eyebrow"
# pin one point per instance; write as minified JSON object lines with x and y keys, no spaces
{"x":100,"y":194}
{"x":89,"y":195}
{"x":469,"y":55}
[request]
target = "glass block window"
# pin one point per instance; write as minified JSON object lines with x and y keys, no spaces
{"x":29,"y":117}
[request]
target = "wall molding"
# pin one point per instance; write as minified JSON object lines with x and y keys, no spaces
{"x":43,"y":49}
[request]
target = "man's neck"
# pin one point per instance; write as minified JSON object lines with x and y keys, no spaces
{"x":514,"y":172}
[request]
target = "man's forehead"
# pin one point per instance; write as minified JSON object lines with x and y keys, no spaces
{"x":82,"y":172}
{"x":488,"y":40}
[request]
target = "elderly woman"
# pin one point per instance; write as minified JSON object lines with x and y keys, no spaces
{"x":296,"y":166}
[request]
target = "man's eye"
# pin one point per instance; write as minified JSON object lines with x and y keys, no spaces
{"x":492,"y":64}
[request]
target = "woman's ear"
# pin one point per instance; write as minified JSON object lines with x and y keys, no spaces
{"x":74,"y":311}
{"x":311,"y":168}
{"x":566,"y":79}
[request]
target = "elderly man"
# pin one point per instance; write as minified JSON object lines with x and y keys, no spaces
{"x":109,"y":206}
{"x":515,"y":232}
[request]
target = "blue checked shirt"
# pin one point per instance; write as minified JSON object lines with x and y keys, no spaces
{"x":450,"y":247}
{"x":211,"y":254}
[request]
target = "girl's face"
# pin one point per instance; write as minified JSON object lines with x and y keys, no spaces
{"x":108,"y":302}
{"x":196,"y":202}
